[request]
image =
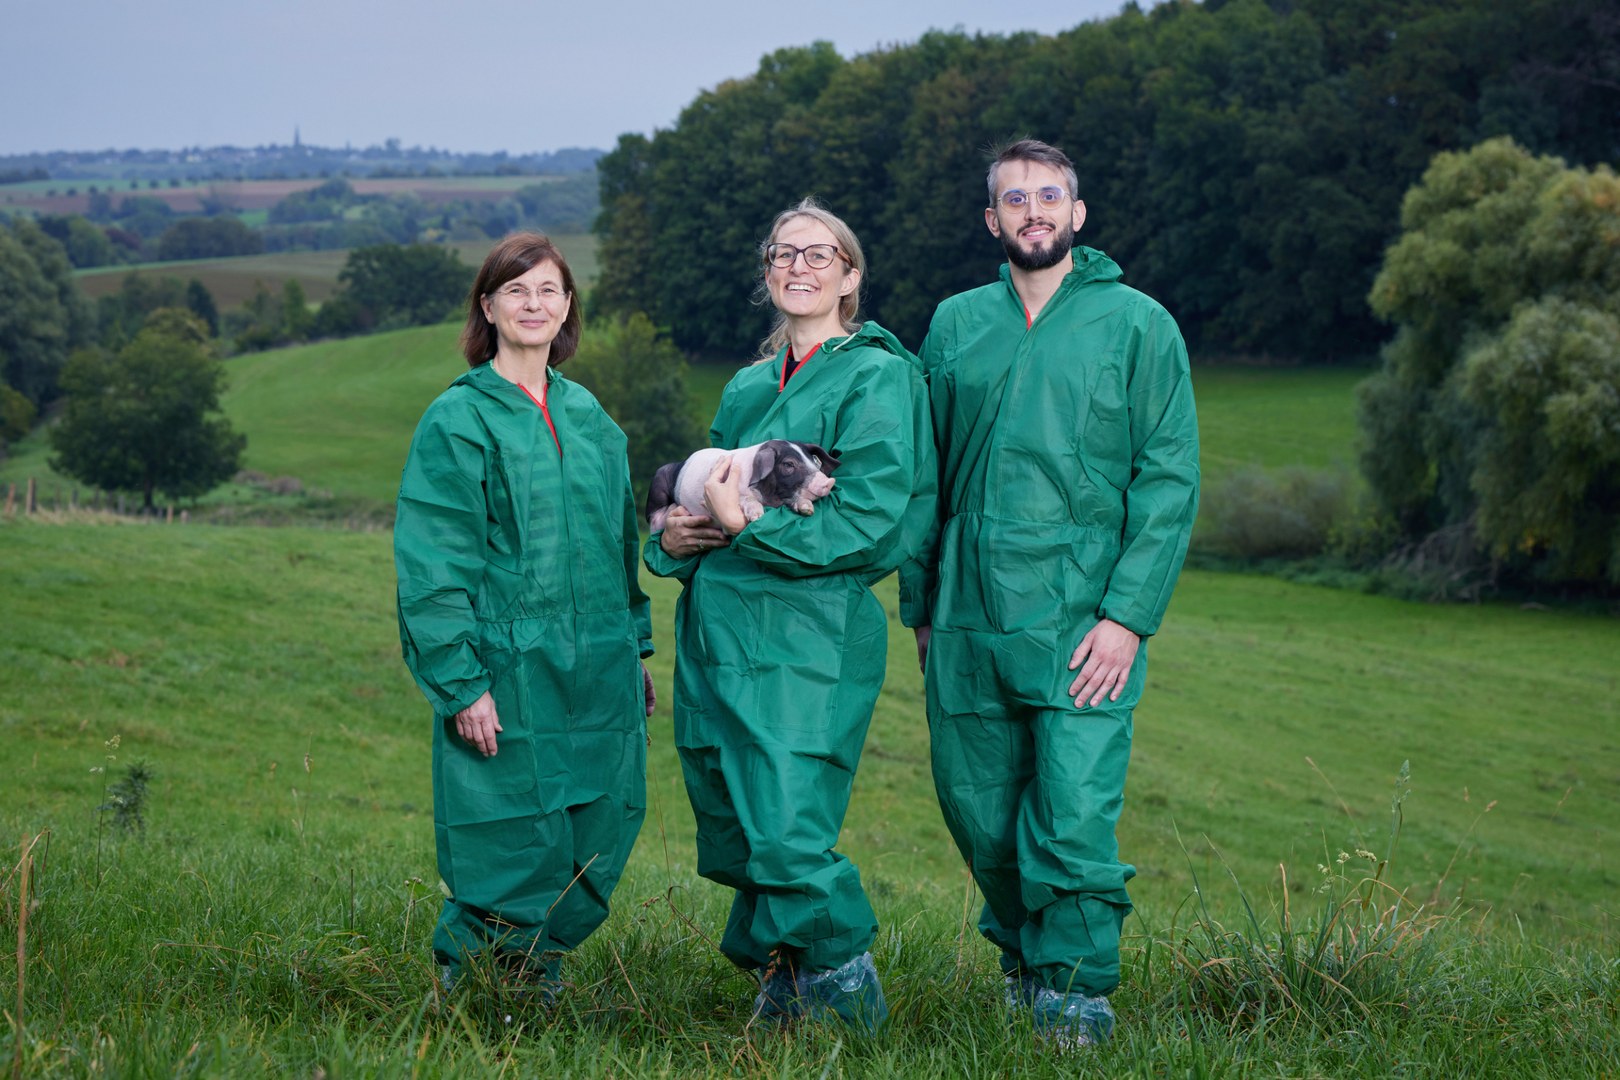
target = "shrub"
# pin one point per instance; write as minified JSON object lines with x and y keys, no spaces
{"x":16,"y":415}
{"x":1258,"y":513}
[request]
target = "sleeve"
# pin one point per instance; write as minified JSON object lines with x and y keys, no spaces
{"x":853,"y":527}
{"x":640,"y":605}
{"x":661,"y":563}
{"x":440,"y":537}
{"x":1162,"y":498}
{"x":919,"y":574}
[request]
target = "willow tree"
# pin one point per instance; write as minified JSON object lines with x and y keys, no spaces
{"x":1498,"y":405}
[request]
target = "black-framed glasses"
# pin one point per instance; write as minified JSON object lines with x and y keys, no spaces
{"x":1047,"y":198}
{"x":816,"y":256}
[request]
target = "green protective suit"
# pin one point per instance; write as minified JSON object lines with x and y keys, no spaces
{"x":1068,"y":486}
{"x":781,"y":647}
{"x":516,"y":555}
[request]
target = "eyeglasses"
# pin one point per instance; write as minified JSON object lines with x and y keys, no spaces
{"x":1050,"y":198}
{"x":816,"y":256}
{"x":519,"y":294}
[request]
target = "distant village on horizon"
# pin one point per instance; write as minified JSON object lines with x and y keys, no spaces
{"x":295,"y":160}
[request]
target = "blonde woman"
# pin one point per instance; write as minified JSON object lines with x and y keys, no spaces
{"x":781,"y":644}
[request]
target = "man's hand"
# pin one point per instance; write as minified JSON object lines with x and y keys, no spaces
{"x":722,"y":494}
{"x":477,"y":724}
{"x":924,"y":634}
{"x":647,"y":690}
{"x":1107,"y":653}
{"x":686,"y":533}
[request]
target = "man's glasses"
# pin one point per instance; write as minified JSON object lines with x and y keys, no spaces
{"x":1049,"y":198}
{"x":816,"y":256}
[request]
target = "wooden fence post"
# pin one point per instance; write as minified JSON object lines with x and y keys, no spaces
{"x":11,"y":498}
{"x":22,"y":950}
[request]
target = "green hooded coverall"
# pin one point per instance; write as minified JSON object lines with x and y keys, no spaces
{"x":1068,"y":486}
{"x":516,"y":555}
{"x":781,"y":647}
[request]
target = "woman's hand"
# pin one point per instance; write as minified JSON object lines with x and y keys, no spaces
{"x":924,"y":634}
{"x":722,"y":494}
{"x":648,"y":690}
{"x":477,"y":724}
{"x":686,"y":533}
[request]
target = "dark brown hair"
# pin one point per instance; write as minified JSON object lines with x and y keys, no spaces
{"x":506,"y":261}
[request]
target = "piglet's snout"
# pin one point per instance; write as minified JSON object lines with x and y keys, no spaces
{"x":818,"y":485}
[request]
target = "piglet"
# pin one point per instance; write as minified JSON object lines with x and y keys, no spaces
{"x":777,"y":472}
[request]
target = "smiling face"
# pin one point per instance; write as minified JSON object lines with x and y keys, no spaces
{"x":529,"y":320}
{"x":801,"y":292}
{"x":1034,"y":238}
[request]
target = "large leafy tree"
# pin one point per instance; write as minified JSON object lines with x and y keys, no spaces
{"x":640,"y":379}
{"x":706,"y":190}
{"x":147,"y":419}
{"x":43,"y":315}
{"x":404,"y":285}
{"x":1498,"y":404}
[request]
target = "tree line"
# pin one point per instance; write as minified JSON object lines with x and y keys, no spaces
{"x":1244,"y":161}
{"x":330,"y":216}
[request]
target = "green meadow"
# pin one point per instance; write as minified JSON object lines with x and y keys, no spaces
{"x":1372,"y":837}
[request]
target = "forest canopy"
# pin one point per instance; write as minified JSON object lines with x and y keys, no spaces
{"x":1243,"y":161}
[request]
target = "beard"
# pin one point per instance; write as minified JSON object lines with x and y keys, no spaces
{"x":1040,"y":258}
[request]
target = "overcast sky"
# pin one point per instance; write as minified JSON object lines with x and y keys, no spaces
{"x":516,"y":75}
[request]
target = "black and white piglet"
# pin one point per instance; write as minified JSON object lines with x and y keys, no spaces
{"x":777,"y":472}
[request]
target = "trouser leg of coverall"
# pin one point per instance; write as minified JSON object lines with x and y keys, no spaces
{"x":1032,"y":797}
{"x":770,"y":732}
{"x":526,"y":880}
{"x":798,"y":901}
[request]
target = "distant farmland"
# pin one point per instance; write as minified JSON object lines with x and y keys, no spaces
{"x":36,"y":195}
{"x":232,"y":281}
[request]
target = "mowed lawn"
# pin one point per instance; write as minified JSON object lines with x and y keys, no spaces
{"x":1276,"y":416}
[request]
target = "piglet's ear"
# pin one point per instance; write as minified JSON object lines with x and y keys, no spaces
{"x":764,"y":461}
{"x":827,"y":459}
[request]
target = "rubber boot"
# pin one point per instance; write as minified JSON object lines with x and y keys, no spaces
{"x":1070,"y":1021}
{"x":851,"y":994}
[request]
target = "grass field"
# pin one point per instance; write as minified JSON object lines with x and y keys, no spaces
{"x":1275,"y":416}
{"x":274,"y":916}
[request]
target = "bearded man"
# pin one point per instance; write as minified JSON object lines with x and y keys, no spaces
{"x":1068,"y":448}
